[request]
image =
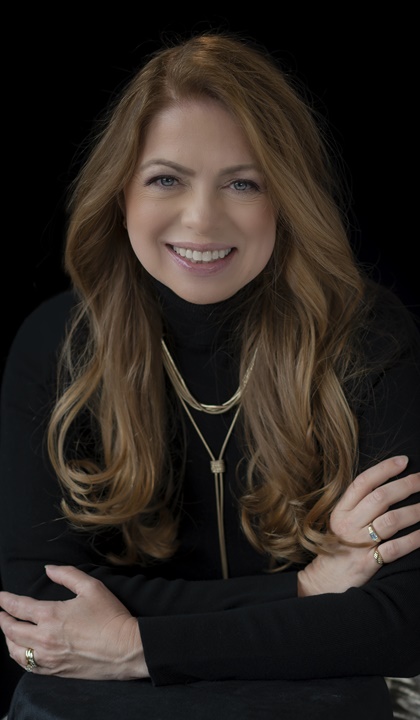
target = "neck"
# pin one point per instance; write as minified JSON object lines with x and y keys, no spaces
{"x":192,"y":325}
{"x":204,"y":343}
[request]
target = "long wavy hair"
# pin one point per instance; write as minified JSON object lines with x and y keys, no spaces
{"x":303,"y":315}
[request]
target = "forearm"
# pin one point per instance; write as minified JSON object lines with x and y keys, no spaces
{"x":374,"y":630}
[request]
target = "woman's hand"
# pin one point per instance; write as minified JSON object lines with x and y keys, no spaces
{"x":91,"y":636}
{"x":363,"y":507}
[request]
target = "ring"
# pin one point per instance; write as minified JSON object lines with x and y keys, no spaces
{"x":378,"y":557}
{"x":373,"y":534}
{"x":30,"y":660}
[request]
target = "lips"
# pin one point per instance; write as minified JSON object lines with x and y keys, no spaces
{"x":201,"y":256}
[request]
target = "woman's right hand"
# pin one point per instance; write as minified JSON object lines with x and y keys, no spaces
{"x":91,"y":636}
{"x":363,"y":507}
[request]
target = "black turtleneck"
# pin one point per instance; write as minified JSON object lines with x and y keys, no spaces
{"x":195,"y":626}
{"x":203,"y":343}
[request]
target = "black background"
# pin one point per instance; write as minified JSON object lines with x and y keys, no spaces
{"x":64,"y":68}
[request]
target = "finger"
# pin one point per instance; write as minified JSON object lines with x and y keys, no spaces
{"x":70,"y":577}
{"x":20,"y":606}
{"x":3,"y":621}
{"x":370,"y":479}
{"x":399,"y":547}
{"x":31,"y":664}
{"x":381,"y":498}
{"x":19,"y":637}
{"x":19,"y":655}
{"x":391,"y":522}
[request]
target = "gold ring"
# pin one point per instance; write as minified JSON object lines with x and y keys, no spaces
{"x":30,"y":660}
{"x":373,"y":534}
{"x":378,"y":557}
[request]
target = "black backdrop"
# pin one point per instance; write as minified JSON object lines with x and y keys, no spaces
{"x":64,"y":68}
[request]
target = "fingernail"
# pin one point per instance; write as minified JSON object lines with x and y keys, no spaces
{"x":401,"y":460}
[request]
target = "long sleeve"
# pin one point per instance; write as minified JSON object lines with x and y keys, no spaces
{"x":248,"y":627}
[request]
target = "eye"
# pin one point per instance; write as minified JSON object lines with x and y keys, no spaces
{"x":243,"y":186}
{"x":164,"y":181}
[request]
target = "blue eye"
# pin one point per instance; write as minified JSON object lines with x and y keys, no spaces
{"x":165,"y":181}
{"x":244,"y":185}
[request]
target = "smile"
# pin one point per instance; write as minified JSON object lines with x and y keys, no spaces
{"x":201,"y":257}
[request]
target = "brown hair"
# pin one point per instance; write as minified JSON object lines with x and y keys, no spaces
{"x":300,"y":433}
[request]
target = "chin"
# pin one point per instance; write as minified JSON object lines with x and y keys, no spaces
{"x":205,"y":298}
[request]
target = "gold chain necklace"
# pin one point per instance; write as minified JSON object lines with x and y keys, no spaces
{"x":182,"y":391}
{"x":217,"y":465}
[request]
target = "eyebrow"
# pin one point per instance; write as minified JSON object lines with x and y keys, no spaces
{"x":187,"y":171}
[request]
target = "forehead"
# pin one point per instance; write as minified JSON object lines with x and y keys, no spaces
{"x":200,"y":126}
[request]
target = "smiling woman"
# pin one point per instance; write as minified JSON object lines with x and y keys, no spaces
{"x":197,"y":211}
{"x":209,"y":460}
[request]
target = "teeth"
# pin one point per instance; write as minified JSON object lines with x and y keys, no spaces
{"x":206,"y":256}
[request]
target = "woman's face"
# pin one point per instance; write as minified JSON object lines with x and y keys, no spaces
{"x":197,"y":209}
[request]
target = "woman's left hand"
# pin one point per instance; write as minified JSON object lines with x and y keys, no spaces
{"x":365,"y":508}
{"x":91,"y":636}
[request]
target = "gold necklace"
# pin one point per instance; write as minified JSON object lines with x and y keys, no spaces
{"x":182,"y":391}
{"x":217,"y":465}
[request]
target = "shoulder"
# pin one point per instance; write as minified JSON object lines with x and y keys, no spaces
{"x":390,"y":329}
{"x":48,"y":321}
{"x":41,"y":333}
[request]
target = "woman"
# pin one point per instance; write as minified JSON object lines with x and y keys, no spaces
{"x":219,"y":468}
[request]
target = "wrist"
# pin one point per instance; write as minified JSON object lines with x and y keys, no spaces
{"x":303,"y":584}
{"x":307,"y":584}
{"x":135,"y":667}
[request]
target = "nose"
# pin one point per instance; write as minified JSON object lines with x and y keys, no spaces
{"x":201,"y":211}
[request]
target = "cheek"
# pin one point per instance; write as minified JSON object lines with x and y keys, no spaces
{"x":257,"y":217}
{"x":263,"y":228}
{"x":145,"y":223}
{"x":141,"y":213}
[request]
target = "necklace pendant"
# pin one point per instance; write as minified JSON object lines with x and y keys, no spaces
{"x":217,"y":466}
